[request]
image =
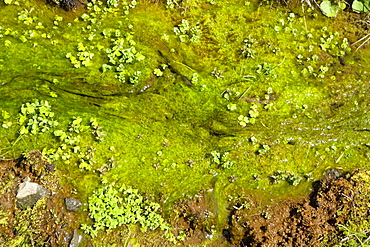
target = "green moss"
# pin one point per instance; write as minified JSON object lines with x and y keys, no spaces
{"x":292,"y":71}
{"x":28,"y":223}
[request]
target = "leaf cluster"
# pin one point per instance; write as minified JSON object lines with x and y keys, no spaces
{"x":253,"y":113}
{"x":123,"y":50}
{"x":331,"y":8}
{"x":222,"y":160}
{"x":36,"y":117}
{"x":332,"y":44}
{"x":187,"y":33}
{"x":83,"y":56}
{"x":247,"y":49}
{"x":113,"y":206}
{"x":25,"y":17}
{"x":291,"y":178}
{"x":70,"y":143}
{"x":121,"y":53}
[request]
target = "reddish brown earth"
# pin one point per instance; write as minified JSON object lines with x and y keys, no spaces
{"x":309,"y":222}
{"x":197,"y":218}
{"x":336,"y":200}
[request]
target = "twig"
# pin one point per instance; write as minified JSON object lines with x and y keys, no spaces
{"x":245,"y":91}
{"x":367,"y":37}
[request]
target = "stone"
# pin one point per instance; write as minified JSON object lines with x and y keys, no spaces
{"x":331,"y":174}
{"x":72,"y":204}
{"x":76,"y":239}
{"x":29,"y":193}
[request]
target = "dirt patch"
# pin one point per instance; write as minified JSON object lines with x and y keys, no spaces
{"x":336,"y":212}
{"x":195,"y":218}
{"x":335,"y":203}
{"x":47,"y":223}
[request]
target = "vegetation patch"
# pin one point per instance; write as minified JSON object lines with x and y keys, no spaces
{"x":158,"y":113}
{"x":112,"y":206}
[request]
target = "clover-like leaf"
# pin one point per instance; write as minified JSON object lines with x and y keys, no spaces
{"x":361,"y":6}
{"x":329,"y":9}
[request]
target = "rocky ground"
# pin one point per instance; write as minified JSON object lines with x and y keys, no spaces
{"x":33,"y":205}
{"x":336,"y":212}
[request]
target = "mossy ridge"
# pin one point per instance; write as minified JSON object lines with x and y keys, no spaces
{"x":185,"y":115}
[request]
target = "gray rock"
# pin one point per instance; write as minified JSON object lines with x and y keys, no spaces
{"x":29,"y":193}
{"x":331,"y":174}
{"x":76,"y":239}
{"x":72,"y":204}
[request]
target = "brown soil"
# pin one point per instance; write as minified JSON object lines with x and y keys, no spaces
{"x":309,"y":222}
{"x":335,"y":200}
{"x":196,"y":217}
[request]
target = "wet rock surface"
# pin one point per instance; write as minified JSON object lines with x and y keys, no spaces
{"x":69,"y":5}
{"x":29,"y":193}
{"x":76,"y":239}
{"x":72,"y":204}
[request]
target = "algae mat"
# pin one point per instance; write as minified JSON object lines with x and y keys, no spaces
{"x":231,"y":98}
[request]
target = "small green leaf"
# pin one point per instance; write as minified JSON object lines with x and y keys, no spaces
{"x":342,"y":5}
{"x":158,"y":72}
{"x":329,"y":9}
{"x":5,"y":114}
{"x":361,"y":6}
